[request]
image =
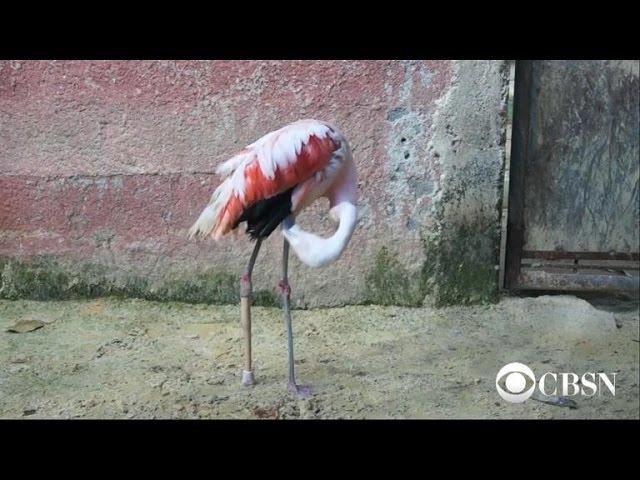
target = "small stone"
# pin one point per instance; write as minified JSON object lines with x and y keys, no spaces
{"x":193,"y":337}
{"x":136,"y":332}
{"x":18,"y":368}
{"x":217,"y":399}
{"x":24,"y":326}
{"x":158,"y":383}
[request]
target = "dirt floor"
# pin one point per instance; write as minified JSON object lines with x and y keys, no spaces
{"x":111,"y":358}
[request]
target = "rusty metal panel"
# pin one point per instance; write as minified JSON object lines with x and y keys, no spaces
{"x":582,"y":160}
{"x":551,"y":279}
{"x":557,"y":255}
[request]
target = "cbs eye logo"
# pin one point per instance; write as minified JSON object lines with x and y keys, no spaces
{"x":515,"y":382}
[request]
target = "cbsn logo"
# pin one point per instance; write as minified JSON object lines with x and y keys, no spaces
{"x":516,"y":382}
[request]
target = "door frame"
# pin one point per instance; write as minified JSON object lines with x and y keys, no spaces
{"x":519,"y":141}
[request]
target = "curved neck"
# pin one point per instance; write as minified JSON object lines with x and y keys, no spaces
{"x":317,"y":251}
{"x":345,"y":188}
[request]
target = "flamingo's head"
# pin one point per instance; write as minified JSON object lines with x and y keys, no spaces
{"x":316,"y":251}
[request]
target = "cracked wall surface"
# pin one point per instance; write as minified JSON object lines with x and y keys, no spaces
{"x":105,"y":165}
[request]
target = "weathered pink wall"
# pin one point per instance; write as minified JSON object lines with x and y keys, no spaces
{"x":110,"y":161}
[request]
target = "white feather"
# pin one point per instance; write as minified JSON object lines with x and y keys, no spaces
{"x":266,"y":161}
{"x":279,"y":154}
{"x":228,"y":167}
{"x":207,"y":220}
{"x":237,"y":181}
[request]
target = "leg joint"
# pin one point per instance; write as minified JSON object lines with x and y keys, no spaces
{"x":245,"y":285}
{"x":284,"y":287}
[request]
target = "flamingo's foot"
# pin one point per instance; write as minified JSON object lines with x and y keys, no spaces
{"x":284,"y":288}
{"x":303,"y":391}
{"x":247,"y":378}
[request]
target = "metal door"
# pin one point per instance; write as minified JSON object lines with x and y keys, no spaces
{"x":574,"y":177}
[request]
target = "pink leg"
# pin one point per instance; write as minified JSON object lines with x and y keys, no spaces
{"x":285,"y":291}
{"x":245,"y":314}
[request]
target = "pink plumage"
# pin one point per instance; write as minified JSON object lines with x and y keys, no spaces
{"x":306,"y":155}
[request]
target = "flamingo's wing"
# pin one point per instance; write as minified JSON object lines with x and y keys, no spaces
{"x":270,"y":166}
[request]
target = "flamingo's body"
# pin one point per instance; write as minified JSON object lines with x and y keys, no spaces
{"x":271,"y":181}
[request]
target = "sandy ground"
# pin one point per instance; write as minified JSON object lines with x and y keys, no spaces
{"x":112,"y":358}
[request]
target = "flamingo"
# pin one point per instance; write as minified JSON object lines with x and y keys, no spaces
{"x":267,"y":184}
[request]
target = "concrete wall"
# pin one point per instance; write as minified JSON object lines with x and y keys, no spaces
{"x":104,"y":165}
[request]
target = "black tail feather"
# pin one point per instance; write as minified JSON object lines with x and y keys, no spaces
{"x":263,"y":217}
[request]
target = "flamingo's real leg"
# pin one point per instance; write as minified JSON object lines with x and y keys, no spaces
{"x":285,"y":290}
{"x":245,"y":314}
